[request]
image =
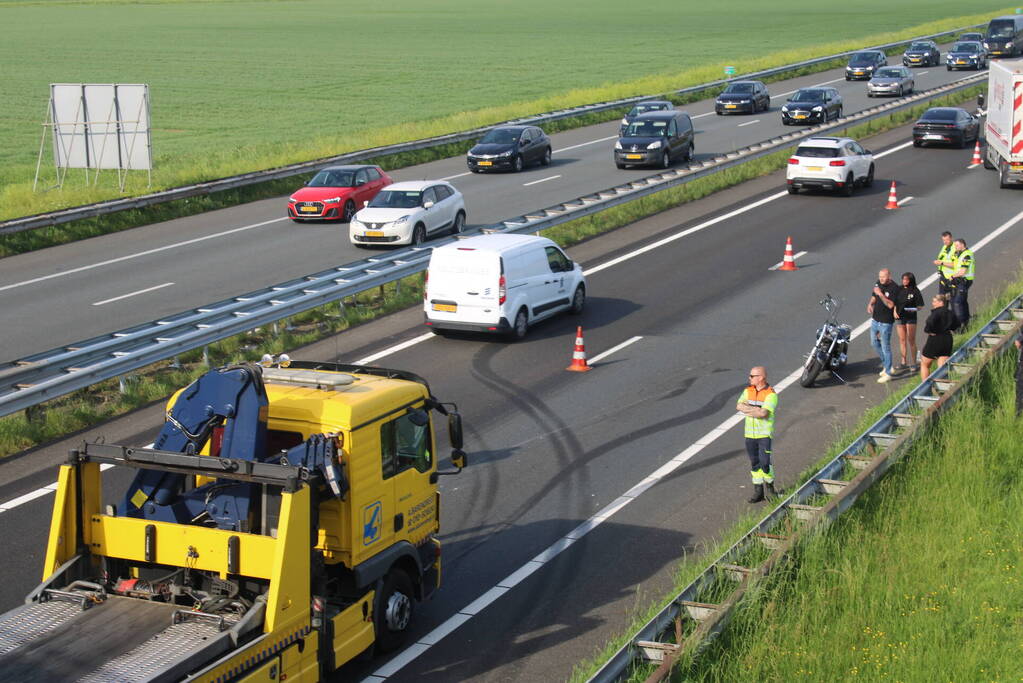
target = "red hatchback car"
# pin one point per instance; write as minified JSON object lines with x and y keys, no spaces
{"x":336,"y":193}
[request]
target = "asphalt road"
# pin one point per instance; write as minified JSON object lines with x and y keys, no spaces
{"x":73,"y":292}
{"x":549,"y":449}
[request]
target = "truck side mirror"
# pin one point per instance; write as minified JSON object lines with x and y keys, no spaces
{"x":980,"y":100}
{"x":455,"y":430}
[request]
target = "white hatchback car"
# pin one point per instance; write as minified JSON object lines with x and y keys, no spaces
{"x":409,"y":213}
{"x":830,"y":164}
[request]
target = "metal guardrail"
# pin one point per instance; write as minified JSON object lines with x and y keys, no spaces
{"x":690,"y":623}
{"x":44,"y":376}
{"x":52,"y":218}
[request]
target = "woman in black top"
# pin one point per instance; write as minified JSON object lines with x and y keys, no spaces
{"x":907,"y":300}
{"x":938,"y":328}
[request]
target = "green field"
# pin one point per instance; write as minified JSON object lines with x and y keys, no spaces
{"x":237,"y":86}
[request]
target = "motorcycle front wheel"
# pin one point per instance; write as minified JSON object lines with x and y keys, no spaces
{"x":812,"y":368}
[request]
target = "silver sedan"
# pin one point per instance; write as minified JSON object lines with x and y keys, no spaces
{"x":891,"y":80}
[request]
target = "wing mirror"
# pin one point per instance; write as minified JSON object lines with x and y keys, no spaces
{"x":980,"y":100}
{"x":427,"y":204}
{"x":458,"y":457}
{"x":365,"y":203}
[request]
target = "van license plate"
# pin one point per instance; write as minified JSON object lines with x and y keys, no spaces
{"x":814,"y":168}
{"x":374,"y":233}
{"x":449,"y":308}
{"x":484,"y":163}
{"x":633,"y":156}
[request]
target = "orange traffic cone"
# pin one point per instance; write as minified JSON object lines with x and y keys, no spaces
{"x":893,"y":201}
{"x":789,"y":262}
{"x":976,"y":160}
{"x":579,"y":355}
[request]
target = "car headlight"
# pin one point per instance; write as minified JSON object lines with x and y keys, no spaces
{"x":355,"y":225}
{"x":818,"y":108}
{"x":618,"y":144}
{"x":986,"y":45}
{"x":292,"y":200}
{"x":785,"y":108}
{"x":743,"y":101}
{"x":401,"y":220}
{"x":332,"y":200}
{"x":1008,"y":45}
{"x":625,"y":121}
{"x":505,"y":154}
{"x":654,"y":145}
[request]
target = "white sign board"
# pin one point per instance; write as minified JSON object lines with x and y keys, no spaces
{"x":101,"y":126}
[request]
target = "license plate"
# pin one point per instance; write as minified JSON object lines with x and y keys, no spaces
{"x":486,"y":163}
{"x":931,"y":136}
{"x":857,"y":73}
{"x":914,"y":59}
{"x":374,"y":233}
{"x":1016,"y":167}
{"x":449,"y":308}
{"x":309,"y":209}
{"x":633,"y":156}
{"x":814,"y":168}
{"x":730,"y":106}
{"x":960,"y":61}
{"x":800,"y":116}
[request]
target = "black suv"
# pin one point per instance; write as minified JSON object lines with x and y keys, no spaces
{"x":812,"y":105}
{"x":862,"y":64}
{"x":656,"y":139}
{"x":922,"y":53}
{"x":509,"y":148}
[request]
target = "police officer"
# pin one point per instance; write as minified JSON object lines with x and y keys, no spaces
{"x":945,"y":263}
{"x":758,"y":402}
{"x":962,"y":280}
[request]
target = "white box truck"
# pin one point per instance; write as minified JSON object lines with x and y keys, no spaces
{"x":1004,"y":127}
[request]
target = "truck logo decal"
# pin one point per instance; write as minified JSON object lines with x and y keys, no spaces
{"x":371,"y":523}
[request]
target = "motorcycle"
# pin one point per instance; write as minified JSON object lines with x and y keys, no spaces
{"x":831,"y":349}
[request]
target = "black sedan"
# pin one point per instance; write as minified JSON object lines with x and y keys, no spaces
{"x":509,"y":148}
{"x":946,"y":125}
{"x":968,"y":55}
{"x":642,"y":108}
{"x":922,"y":53}
{"x":862,"y":65}
{"x":743,"y":96}
{"x":812,"y":105}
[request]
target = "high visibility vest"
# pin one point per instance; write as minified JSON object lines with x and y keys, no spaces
{"x":965,"y":260}
{"x":760,"y":427}
{"x":947,"y":253}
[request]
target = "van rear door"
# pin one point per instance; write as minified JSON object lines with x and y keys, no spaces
{"x":463,"y":285}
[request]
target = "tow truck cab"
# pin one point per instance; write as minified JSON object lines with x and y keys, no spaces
{"x":300,"y":557}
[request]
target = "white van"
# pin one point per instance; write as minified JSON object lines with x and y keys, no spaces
{"x":500,"y":283}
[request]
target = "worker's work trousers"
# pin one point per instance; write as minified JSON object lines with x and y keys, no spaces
{"x":759,"y":451}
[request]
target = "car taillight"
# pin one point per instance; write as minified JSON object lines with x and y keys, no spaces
{"x":793,"y":160}
{"x":837,"y":162}
{"x":502,"y":292}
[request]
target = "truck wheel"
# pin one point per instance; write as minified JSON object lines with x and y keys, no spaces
{"x":392,"y":611}
{"x":987,"y":162}
{"x":1003,"y":173}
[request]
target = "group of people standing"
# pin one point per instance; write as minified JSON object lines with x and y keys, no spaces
{"x":894,"y":305}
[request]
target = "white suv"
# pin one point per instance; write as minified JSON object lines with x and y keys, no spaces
{"x":830,"y":164}
{"x":408,"y":213}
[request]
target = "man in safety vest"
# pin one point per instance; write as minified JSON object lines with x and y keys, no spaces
{"x":758,"y":402}
{"x":962,"y":280}
{"x":945,"y":262}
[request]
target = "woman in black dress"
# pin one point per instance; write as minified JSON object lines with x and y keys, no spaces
{"x":907,"y":300}
{"x":938,"y":329}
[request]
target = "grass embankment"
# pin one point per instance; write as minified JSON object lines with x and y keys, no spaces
{"x":103,"y":401}
{"x":841,"y":613}
{"x":239,"y":86}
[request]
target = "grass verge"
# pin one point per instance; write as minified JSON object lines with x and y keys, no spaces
{"x":801,"y":611}
{"x":18,"y":199}
{"x":87,"y":407}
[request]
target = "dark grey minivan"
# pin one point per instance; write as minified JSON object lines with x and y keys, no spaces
{"x":656,"y":139}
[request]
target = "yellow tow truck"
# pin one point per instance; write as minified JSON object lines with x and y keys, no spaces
{"x":283,"y":522}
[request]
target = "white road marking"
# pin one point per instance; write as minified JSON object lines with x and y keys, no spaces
{"x":449,"y":625}
{"x":833,"y":80}
{"x":583,"y":144}
{"x":778,"y":265}
{"x":130,"y":294}
{"x":700,"y":116}
{"x":542,"y":180}
{"x":459,"y":175}
{"x":748,"y":123}
{"x":147,"y":252}
{"x":972,"y":166}
{"x":555,"y":549}
{"x":904,"y":200}
{"x":921,"y":73}
{"x":605,"y":354}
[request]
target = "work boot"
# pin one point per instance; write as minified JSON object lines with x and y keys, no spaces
{"x":771,"y":493}
{"x":758,"y":493}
